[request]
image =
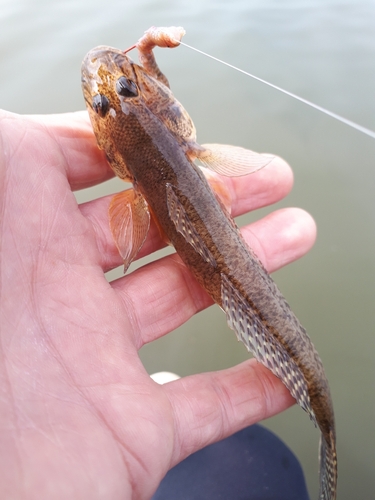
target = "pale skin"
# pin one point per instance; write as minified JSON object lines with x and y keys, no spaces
{"x":79,"y":415}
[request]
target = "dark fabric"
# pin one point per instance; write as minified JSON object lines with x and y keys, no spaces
{"x":253,"y":464}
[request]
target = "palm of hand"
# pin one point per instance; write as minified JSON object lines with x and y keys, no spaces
{"x":79,"y":413}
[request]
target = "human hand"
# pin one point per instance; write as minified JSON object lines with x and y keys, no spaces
{"x":79,"y":415}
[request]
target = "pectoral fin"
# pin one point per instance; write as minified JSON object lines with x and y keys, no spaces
{"x":129,"y":220}
{"x":251,"y":330}
{"x":232,"y":161}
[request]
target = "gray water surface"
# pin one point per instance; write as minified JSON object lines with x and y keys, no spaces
{"x":321,"y":50}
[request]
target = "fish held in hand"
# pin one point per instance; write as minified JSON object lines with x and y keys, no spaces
{"x":150,"y":141}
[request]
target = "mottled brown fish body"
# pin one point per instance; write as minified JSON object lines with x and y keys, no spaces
{"x":226,"y":253}
{"x":142,"y":146}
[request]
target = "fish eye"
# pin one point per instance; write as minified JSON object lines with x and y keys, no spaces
{"x":100,"y":105}
{"x":126,"y":87}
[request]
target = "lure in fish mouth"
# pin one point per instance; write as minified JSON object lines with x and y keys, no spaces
{"x":150,"y":140}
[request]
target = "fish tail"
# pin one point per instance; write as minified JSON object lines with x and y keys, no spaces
{"x":328,"y":468}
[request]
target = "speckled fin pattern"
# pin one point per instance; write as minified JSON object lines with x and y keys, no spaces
{"x":184,"y":226}
{"x":267,"y":350}
{"x":328,"y":469}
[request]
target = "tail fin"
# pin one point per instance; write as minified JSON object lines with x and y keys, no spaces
{"x":328,"y":468}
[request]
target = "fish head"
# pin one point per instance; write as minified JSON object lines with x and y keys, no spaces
{"x":110,"y":73}
{"x":111,"y":93}
{"x":115,"y":90}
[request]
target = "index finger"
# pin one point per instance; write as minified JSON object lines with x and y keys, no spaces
{"x":85,"y":164}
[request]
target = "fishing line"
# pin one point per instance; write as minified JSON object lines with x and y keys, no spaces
{"x":340,"y":118}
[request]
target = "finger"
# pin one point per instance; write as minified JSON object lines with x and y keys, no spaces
{"x":264,"y":187}
{"x":84,"y":163}
{"x":281,"y":237}
{"x":164,"y":294}
{"x":211,"y":406}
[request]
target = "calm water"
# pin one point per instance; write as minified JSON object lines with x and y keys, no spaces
{"x":322,"y":50}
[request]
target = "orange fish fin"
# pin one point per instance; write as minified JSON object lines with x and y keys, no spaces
{"x":219,"y":188}
{"x":232,"y":161}
{"x":253,"y":332}
{"x":129,"y":220}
